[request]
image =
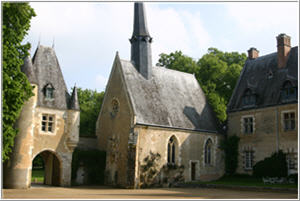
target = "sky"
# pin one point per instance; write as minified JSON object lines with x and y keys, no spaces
{"x":87,"y":35}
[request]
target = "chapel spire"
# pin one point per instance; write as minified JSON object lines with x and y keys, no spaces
{"x":141,"y":55}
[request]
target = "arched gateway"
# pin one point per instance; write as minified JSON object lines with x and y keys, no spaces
{"x":48,"y":125}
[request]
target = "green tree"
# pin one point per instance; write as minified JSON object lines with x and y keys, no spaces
{"x":217,"y":73}
{"x":16,"y":88}
{"x":90,"y":103}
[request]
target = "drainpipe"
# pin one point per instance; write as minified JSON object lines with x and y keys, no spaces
{"x":277,"y":130}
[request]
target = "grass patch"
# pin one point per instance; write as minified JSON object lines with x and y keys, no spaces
{"x":245,"y":181}
{"x":37,"y":175}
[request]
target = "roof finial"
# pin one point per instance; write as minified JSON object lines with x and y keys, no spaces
{"x":53,"y":42}
{"x":39,"y":43}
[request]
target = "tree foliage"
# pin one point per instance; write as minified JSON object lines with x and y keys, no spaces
{"x":217,"y":73}
{"x":90,"y":103}
{"x":16,"y":88}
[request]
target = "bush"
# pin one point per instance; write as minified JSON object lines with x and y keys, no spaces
{"x":94,"y":162}
{"x":273,"y":166}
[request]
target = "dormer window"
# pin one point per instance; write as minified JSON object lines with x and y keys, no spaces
{"x":289,"y":92}
{"x":49,"y":92}
{"x":249,"y":99}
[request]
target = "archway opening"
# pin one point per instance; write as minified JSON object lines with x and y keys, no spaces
{"x":46,"y":169}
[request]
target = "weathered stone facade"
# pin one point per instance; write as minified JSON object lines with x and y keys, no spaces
{"x":263,"y":110}
{"x":269,"y":135}
{"x":50,"y":132}
{"x":156,"y":127}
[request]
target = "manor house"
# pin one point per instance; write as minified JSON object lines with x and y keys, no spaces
{"x":263,"y":110}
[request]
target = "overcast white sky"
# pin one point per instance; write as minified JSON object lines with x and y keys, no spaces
{"x":87,"y":35}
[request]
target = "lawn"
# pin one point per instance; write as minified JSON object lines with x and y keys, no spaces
{"x":37,"y":176}
{"x":246,"y":181}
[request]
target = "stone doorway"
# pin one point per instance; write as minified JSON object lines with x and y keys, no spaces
{"x":193,"y":171}
{"x":51,"y":169}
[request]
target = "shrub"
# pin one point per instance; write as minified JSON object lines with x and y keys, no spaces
{"x":94,"y":162}
{"x":273,"y":166}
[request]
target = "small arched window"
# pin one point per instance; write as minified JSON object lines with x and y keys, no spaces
{"x":289,"y":92}
{"x":208,"y":152}
{"x":172,"y":150}
{"x":49,"y":91}
{"x":249,"y":99}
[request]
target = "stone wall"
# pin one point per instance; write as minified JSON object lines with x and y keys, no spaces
{"x":190,"y":147}
{"x":268,"y":136}
{"x":113,"y":128}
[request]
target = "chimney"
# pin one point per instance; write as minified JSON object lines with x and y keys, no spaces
{"x":253,"y":53}
{"x":283,"y":49}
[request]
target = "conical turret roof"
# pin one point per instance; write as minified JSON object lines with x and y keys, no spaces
{"x":74,"y":102}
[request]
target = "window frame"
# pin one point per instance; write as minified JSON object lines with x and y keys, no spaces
{"x":47,"y":125}
{"x":289,"y":123}
{"x":248,"y":124}
{"x":286,"y":92}
{"x":248,"y":98}
{"x":248,"y":159}
{"x":208,"y":152}
{"x":172,"y":151}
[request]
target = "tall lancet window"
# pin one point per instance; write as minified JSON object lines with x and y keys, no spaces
{"x":208,"y":152}
{"x":172,"y":150}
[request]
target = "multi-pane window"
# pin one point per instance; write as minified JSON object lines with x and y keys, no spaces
{"x":248,"y":125}
{"x":172,"y":150}
{"x":248,"y":159}
{"x":288,"y":92}
{"x":48,"y":123}
{"x":249,"y":99}
{"x":208,"y":152}
{"x":289,"y":121}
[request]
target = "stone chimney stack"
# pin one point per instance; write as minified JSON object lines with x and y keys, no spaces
{"x":283,"y":49}
{"x":253,"y":53}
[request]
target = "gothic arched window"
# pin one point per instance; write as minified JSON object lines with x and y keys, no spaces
{"x":288,"y":92}
{"x":172,"y":150}
{"x":249,"y":98}
{"x":208,"y":152}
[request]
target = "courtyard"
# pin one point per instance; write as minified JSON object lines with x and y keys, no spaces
{"x":104,"y":192}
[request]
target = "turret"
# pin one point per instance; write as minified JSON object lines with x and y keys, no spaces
{"x":17,"y":171}
{"x":141,"y":55}
{"x":73,"y":120}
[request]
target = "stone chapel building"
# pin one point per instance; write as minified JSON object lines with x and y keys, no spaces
{"x":263,"y":110}
{"x":48,"y":125}
{"x":155,"y":124}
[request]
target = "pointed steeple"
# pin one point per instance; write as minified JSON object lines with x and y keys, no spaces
{"x":74,"y":102}
{"x":141,"y":55}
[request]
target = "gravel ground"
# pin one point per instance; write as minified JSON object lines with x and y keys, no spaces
{"x":103,"y":192}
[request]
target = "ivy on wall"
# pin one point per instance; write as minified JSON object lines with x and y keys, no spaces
{"x":231,"y":148}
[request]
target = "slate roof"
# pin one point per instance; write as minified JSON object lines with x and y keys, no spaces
{"x":44,"y":69}
{"x":74,"y":102}
{"x":265,"y":79}
{"x":170,"y":99}
{"x":28,"y":69}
